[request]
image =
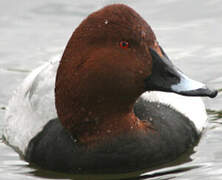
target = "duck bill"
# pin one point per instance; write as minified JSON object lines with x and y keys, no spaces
{"x":166,"y":77}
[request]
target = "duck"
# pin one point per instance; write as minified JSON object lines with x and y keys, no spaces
{"x":114,"y":102}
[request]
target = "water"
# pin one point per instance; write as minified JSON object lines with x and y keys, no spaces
{"x":190,"y":32}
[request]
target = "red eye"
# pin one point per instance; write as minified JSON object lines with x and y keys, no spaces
{"x":124,"y":44}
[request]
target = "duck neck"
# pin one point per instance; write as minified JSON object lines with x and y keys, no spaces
{"x":105,"y":117}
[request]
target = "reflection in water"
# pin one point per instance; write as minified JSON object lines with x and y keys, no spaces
{"x":168,"y":172}
{"x":165,"y":173}
{"x":18,"y":70}
{"x":131,"y":176}
{"x":172,"y":168}
{"x":215,"y":115}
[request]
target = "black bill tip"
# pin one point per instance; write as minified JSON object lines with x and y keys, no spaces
{"x":200,"y":92}
{"x":213,"y":93}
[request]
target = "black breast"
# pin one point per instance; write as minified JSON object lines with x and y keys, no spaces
{"x":172,"y":135}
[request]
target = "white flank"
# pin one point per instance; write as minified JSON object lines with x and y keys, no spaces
{"x":31,"y":106}
{"x":192,"y":107}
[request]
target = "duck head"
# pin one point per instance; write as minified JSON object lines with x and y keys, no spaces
{"x":110,"y":60}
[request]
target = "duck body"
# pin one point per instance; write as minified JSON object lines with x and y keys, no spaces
{"x":172,"y":135}
{"x":99,"y":109}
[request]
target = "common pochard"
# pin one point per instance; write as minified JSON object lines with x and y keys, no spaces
{"x":108,"y":115}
